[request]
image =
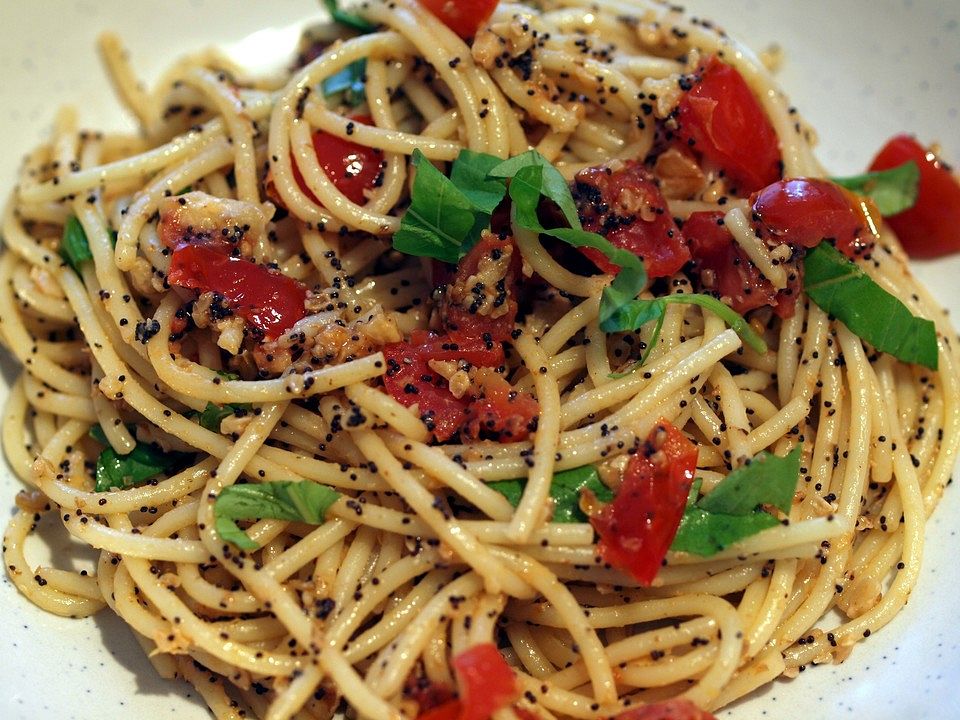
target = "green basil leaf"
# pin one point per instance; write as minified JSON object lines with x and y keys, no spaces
{"x":470,"y":173}
{"x":705,"y":533}
{"x":842,"y":289}
{"x":305,"y":501}
{"x":634,"y":314}
{"x":766,"y":480}
{"x":143,"y":463}
{"x":565,"y":489}
{"x":227,"y":375}
{"x":74,"y":246}
{"x":550,"y":183}
{"x":213,"y":415}
{"x":349,"y":19}
{"x":731,"y":511}
{"x":441,"y":222}
{"x":351,"y":82}
{"x":512,"y":490}
{"x":892,"y":191}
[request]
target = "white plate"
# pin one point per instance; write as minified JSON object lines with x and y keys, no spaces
{"x":859,"y":71}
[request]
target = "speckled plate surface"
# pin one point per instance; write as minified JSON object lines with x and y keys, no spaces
{"x":859,"y":71}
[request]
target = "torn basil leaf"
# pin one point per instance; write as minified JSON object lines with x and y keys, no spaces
{"x":635,"y":314}
{"x":213,"y":415}
{"x":565,"y":489}
{"x":441,"y":222}
{"x":305,"y":501}
{"x":143,"y":463}
{"x":532,"y":180}
{"x":732,"y":510}
{"x":471,"y":174}
{"x":842,"y":289}
{"x":892,"y":191}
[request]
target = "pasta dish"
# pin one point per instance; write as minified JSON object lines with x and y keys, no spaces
{"x":491,"y":361}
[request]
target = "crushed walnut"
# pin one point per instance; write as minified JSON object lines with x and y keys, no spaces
{"x":198,"y":217}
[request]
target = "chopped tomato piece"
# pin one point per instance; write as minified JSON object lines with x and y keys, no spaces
{"x":724,"y":269}
{"x":480,"y":301}
{"x":675,"y":709}
{"x":626,"y":206}
{"x":352,"y":168}
{"x":411,"y":381}
{"x":266,"y":299}
{"x":723,"y":121}
{"x":930,"y":228}
{"x":805,"y":211}
{"x":496,"y":412}
{"x":636,"y":529}
{"x":486,"y":682}
{"x":502,"y":413}
{"x":464,"y":17}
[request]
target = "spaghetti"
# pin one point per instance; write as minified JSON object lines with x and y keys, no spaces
{"x":320,"y":468}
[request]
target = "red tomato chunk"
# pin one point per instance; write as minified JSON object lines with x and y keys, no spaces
{"x":722,"y":121}
{"x":636,"y":529}
{"x":724,"y":269}
{"x":626,"y":206}
{"x":268,"y":300}
{"x":486,"y":682}
{"x":930,"y":228}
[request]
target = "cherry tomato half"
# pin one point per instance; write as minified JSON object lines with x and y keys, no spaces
{"x":805,"y":211}
{"x":464,"y":17}
{"x":930,"y":228}
{"x":723,"y":121}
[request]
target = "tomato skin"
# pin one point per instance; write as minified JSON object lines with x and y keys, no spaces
{"x":485,"y":680}
{"x":626,"y":207}
{"x":503,"y":413}
{"x":931,"y":228}
{"x":463,"y":324}
{"x":636,"y":529}
{"x":464,"y":17}
{"x":723,"y":121}
{"x":267,"y":300}
{"x":674,"y":709}
{"x":352,"y":168}
{"x":805,"y":211}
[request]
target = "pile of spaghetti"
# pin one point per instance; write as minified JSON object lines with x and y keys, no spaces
{"x":494,"y":361}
